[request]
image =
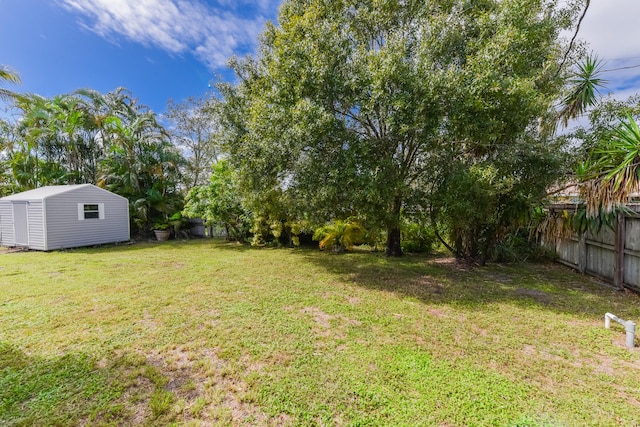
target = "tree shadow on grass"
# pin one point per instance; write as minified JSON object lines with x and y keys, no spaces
{"x":438,"y":280}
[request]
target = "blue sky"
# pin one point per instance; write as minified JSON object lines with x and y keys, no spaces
{"x":161,"y":49}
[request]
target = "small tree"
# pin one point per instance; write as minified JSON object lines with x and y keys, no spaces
{"x":219,"y":203}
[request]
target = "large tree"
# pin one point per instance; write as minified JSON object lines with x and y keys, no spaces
{"x":353,"y":107}
{"x":193,"y":126}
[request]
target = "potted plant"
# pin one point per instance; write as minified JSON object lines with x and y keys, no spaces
{"x":162,"y":231}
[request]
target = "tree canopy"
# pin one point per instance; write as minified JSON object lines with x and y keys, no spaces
{"x":371,"y":109}
{"x":193,"y":126}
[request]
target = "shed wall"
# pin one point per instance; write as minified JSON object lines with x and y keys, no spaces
{"x":7,"y":237}
{"x":65,"y":230}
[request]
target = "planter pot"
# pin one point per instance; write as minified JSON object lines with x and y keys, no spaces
{"x":162,"y":235}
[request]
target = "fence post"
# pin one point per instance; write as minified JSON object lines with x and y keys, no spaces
{"x":582,"y":253}
{"x":618,"y":253}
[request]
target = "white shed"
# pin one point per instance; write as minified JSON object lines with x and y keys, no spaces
{"x":63,"y":216}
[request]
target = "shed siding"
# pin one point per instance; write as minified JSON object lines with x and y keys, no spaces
{"x":35,"y":216}
{"x":65,"y":230}
{"x":7,"y":237}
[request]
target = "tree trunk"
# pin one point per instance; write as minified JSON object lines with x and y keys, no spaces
{"x":393,"y":231}
{"x":393,"y":242}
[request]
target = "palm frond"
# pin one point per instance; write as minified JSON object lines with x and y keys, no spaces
{"x":9,"y":75}
{"x":614,"y":174}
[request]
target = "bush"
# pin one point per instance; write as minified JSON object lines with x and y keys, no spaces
{"x":518,"y":247}
{"x":340,"y":235}
{"x":417,"y":238}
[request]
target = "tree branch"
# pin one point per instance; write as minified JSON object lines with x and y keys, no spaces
{"x":573,"y":39}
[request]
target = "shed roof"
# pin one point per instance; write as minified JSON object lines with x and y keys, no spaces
{"x":45,"y":192}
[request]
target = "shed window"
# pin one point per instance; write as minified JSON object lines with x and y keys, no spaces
{"x":90,"y":211}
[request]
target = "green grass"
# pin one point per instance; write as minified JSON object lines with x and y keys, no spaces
{"x":210,"y":333}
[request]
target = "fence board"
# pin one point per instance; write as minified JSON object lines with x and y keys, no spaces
{"x":600,"y":261}
{"x":632,"y":271}
{"x":632,"y":236}
{"x":567,"y":250}
{"x":605,"y":235}
{"x":611,"y":255}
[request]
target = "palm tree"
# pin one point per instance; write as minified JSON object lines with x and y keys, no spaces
{"x":584,"y":89}
{"x":611,"y":174}
{"x":7,"y":75}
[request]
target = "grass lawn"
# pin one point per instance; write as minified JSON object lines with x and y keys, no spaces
{"x":211,"y":333}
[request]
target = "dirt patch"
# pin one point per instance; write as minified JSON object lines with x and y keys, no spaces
{"x":148,"y":322}
{"x":328,"y":325}
{"x":537,"y":295}
{"x":436,"y":312}
{"x":4,"y":250}
{"x":500,"y":278}
{"x":205,"y":388}
{"x":453,"y":264}
{"x":321,"y":318}
{"x":353,"y":300}
{"x":424,"y":287}
{"x":172,"y":264}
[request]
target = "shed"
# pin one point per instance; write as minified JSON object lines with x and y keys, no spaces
{"x":63,"y":216}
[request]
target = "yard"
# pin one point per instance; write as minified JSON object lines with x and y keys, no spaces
{"x":211,"y":333}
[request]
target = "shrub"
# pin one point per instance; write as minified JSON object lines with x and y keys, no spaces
{"x":340,"y":235}
{"x":417,"y":238}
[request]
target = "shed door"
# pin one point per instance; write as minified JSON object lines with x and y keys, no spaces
{"x":20,"y":223}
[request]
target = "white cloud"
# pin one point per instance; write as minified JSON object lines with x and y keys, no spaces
{"x":177,"y":26}
{"x":611,"y":28}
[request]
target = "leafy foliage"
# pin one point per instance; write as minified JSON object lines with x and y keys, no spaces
{"x":584,"y":87}
{"x":613,"y":174}
{"x":478,"y":203}
{"x":220,"y":203}
{"x":10,"y":76}
{"x":417,"y":236}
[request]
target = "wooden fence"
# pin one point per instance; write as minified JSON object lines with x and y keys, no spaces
{"x":610,"y":255}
